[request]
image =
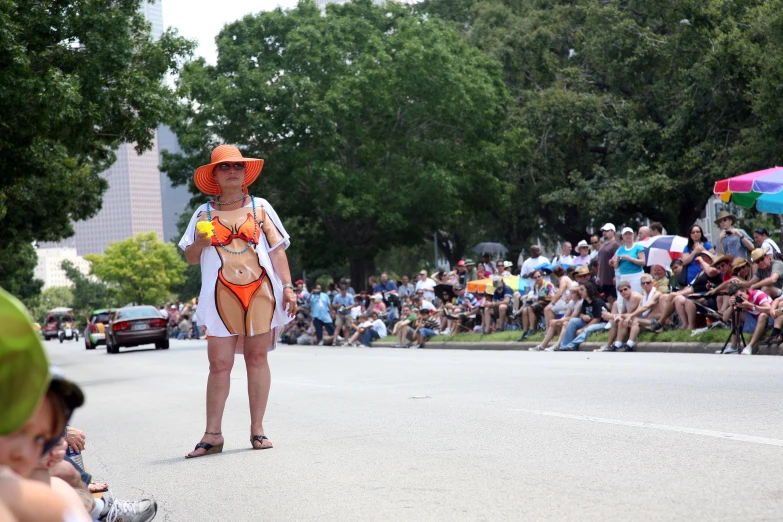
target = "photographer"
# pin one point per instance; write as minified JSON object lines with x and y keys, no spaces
{"x":733,"y":241}
{"x":753,"y":309}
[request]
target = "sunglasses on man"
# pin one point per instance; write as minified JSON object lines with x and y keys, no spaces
{"x":227,"y":166}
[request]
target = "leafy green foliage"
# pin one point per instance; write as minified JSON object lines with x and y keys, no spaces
{"x":143,"y":268}
{"x":378,"y":125}
{"x":634,"y":108}
{"x":88,"y":294}
{"x":79,"y":79}
{"x":52,"y":297}
{"x":17,"y":269}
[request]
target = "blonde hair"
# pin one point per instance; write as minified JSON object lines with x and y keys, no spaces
{"x":623,"y":284}
{"x":646,"y":277}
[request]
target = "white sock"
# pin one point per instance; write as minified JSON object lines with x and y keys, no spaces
{"x":618,"y":344}
{"x":631,"y":343}
{"x":96,"y":511}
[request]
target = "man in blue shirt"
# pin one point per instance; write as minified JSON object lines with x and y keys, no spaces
{"x":342,"y":305}
{"x":497,"y":307}
{"x":319,"y":310}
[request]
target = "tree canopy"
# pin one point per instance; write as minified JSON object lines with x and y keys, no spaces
{"x":79,"y":79}
{"x":143,"y":268}
{"x":378,"y":125}
{"x":634,"y":108}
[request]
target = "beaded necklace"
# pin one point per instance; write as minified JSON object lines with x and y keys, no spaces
{"x":252,"y":239}
{"x":216,"y":202}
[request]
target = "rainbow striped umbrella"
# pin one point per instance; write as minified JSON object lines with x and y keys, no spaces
{"x":764,"y":187}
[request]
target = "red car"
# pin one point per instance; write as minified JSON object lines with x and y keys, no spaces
{"x":136,"y":325}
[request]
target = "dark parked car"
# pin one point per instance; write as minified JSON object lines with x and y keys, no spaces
{"x":135,"y":325}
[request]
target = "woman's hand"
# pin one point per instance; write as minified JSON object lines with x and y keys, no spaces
{"x":289,"y":301}
{"x":202,"y":241}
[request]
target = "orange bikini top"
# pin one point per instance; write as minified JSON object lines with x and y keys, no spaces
{"x":246,"y":231}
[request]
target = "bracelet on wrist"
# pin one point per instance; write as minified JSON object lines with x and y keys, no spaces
{"x":288,"y":285}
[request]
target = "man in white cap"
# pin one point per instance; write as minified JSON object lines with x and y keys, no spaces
{"x":606,"y":284}
{"x":583,"y":259}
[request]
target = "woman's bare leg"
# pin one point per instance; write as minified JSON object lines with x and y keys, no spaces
{"x":220,"y":351}
{"x":259,"y":379}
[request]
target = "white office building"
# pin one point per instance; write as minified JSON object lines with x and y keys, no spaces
{"x":49,"y":267}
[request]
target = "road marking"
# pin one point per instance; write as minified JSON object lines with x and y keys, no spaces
{"x":664,"y":427}
{"x":304,"y":384}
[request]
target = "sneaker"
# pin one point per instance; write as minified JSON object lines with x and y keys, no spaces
{"x":729,"y":349}
{"x":320,"y":343}
{"x":624,"y":348}
{"x":538,"y":348}
{"x":748,"y":350}
{"x":550,"y":349}
{"x":608,"y":348}
{"x":447,"y":331}
{"x":340,"y":338}
{"x":115,"y":510}
{"x":415,"y":346}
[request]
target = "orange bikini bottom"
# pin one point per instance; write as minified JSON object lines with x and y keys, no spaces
{"x":244,"y":292}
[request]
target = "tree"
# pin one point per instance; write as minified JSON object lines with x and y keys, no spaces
{"x":378,"y":125}
{"x":88,"y":294}
{"x":635,"y":108}
{"x":79,"y":79}
{"x":143,"y":268}
{"x":52,"y":297}
{"x":17,"y":269}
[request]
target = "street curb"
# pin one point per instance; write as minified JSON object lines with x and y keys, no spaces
{"x":584,"y":347}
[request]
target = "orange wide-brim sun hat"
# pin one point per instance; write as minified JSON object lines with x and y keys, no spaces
{"x":205,"y":178}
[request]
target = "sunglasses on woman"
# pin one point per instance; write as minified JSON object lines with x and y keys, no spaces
{"x":227,"y":166}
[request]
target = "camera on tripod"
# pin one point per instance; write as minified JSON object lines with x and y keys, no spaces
{"x":738,"y":299}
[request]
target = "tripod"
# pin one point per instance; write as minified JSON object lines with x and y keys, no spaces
{"x":736,"y":330}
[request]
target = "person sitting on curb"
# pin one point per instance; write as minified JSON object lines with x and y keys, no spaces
{"x":648,"y":312}
{"x":496,"y":307}
{"x":769,"y":273}
{"x":755,"y":309}
{"x":563,"y":285}
{"x":704,"y":282}
{"x":628,"y":302}
{"x":555,"y":327}
{"x":465,"y":305}
{"x":660,"y":279}
{"x":531,"y":312}
{"x":404,"y":326}
{"x":426,"y":327}
{"x":590,"y":315}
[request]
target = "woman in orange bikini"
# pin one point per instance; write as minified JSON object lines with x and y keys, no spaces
{"x":245,"y":286}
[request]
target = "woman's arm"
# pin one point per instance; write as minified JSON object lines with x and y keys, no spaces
{"x":193,"y":251}
{"x":280,"y":264}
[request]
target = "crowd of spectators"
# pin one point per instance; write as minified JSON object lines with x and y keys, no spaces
{"x":605,"y":284}
{"x":42,"y":476}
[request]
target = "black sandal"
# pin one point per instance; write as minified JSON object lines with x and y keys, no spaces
{"x":260,"y":439}
{"x":210,"y":449}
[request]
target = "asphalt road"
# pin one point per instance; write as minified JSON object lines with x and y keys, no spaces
{"x":430,"y":435}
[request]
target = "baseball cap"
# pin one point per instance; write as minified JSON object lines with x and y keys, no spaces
{"x":609,"y":226}
{"x":626,"y":230}
{"x":582,"y":243}
{"x":423,"y":272}
{"x":508,"y":264}
{"x":461,"y":262}
{"x":299,"y":282}
{"x":458,"y":287}
{"x":469,"y":262}
{"x":24,"y":369}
